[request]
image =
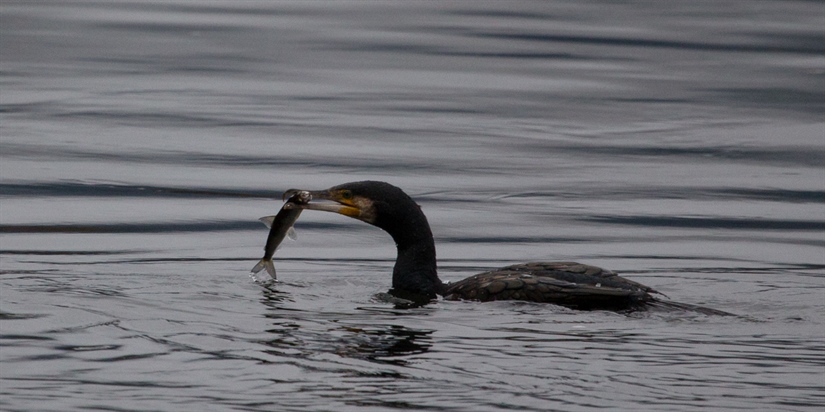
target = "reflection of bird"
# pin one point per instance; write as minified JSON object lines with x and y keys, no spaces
{"x":564,"y":283}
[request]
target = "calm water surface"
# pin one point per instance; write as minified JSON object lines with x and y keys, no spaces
{"x":681,"y":145}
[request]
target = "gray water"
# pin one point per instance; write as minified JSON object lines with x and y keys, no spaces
{"x":682,"y":145}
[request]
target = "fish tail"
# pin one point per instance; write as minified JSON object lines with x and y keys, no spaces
{"x":270,"y":268}
{"x":260,"y":266}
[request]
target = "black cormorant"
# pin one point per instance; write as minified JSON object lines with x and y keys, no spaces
{"x":568,"y":284}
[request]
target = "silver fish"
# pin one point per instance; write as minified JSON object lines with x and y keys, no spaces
{"x":280,"y":226}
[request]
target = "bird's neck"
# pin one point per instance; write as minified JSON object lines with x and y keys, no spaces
{"x":415,"y":269}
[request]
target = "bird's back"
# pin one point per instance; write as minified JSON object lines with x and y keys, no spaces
{"x":568,"y":284}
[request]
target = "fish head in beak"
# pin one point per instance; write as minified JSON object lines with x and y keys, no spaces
{"x":348,"y":201}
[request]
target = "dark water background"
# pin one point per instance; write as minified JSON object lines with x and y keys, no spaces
{"x":681,"y":143}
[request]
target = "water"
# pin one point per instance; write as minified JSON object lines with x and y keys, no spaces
{"x":681,"y":145}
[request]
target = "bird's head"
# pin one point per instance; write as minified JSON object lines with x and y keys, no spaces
{"x":377,"y":203}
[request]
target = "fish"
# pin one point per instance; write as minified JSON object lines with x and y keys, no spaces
{"x":280,"y":226}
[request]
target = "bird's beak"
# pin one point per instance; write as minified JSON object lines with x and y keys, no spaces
{"x":342,"y":206}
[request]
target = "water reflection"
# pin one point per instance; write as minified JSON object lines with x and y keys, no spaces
{"x":303,"y":334}
{"x":273,"y":297}
{"x":384,"y":343}
{"x":389,"y":344}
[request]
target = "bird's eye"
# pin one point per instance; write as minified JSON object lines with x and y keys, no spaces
{"x":346,"y":194}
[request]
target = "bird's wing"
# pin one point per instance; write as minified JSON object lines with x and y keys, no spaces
{"x":564,"y":283}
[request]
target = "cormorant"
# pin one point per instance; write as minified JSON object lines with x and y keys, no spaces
{"x":415,"y":276}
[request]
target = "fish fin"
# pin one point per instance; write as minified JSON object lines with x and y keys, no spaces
{"x":291,"y":233}
{"x":267,"y":220}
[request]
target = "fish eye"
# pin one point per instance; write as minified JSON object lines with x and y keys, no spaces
{"x":346,"y":194}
